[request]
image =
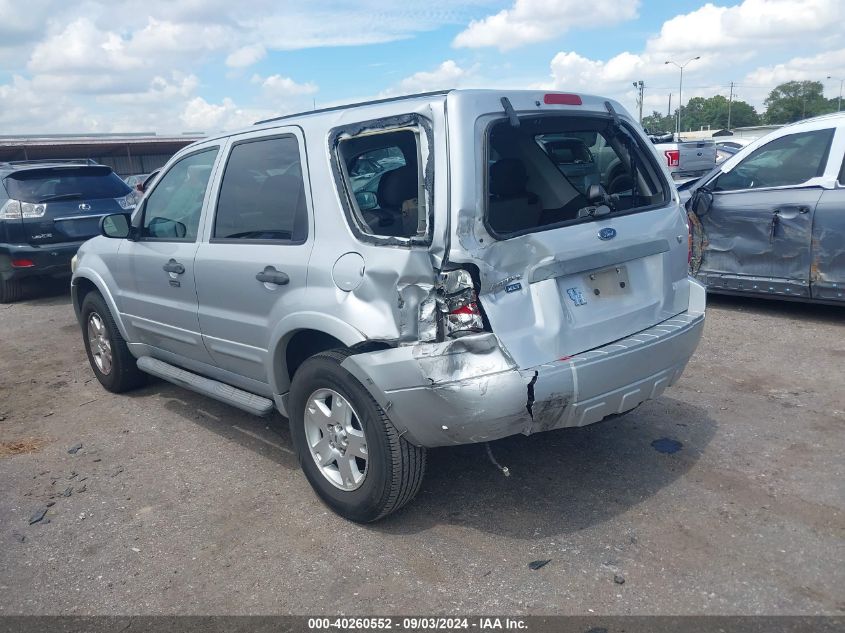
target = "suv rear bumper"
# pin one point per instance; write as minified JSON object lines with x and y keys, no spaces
{"x":469,"y":390}
{"x":49,"y":260}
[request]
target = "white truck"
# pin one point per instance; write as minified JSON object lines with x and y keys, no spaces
{"x":685,"y":159}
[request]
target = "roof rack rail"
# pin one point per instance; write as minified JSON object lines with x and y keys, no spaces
{"x":48,"y":161}
{"x":354,"y":105}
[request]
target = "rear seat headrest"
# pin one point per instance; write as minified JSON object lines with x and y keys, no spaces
{"x":508,"y":177}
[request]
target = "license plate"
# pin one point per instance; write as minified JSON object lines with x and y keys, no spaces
{"x":610,"y":282}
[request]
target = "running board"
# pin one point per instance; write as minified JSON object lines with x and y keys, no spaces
{"x":243,"y":400}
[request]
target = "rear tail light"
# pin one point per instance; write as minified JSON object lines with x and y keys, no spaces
{"x":22,"y":263}
{"x":15,"y":210}
{"x":673,"y":157}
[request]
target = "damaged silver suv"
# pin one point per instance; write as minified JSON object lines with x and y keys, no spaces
{"x":402,"y":274}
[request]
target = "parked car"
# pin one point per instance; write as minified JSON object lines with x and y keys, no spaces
{"x":47,"y":209}
{"x":770,"y":221}
{"x":724,"y":152}
{"x":477,"y":294}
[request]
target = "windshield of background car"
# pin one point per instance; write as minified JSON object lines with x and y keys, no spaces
{"x":66,"y":183}
{"x":542,"y":173}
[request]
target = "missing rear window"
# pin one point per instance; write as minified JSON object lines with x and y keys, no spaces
{"x":551,"y":171}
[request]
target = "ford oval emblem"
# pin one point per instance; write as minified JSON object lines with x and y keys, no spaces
{"x":607,"y":234}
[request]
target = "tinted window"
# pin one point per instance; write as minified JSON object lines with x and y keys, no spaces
{"x":262,"y":196}
{"x":173,"y":208}
{"x":539,"y":174}
{"x":788,"y":160}
{"x":383,"y":176}
{"x":842,"y":173}
{"x":66,"y":183}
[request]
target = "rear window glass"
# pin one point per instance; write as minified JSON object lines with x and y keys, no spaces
{"x":556,"y":170}
{"x":65,"y":183}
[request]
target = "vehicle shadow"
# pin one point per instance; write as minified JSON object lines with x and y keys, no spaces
{"x":46,"y":291}
{"x":796,"y":310}
{"x":268,"y":437}
{"x":561,"y":481}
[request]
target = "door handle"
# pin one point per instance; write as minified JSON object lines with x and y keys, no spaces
{"x":774,"y":226}
{"x":173,"y":267}
{"x":272,"y":276}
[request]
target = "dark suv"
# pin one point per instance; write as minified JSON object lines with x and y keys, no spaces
{"x":47,"y":209}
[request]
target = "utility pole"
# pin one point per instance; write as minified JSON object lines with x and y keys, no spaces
{"x":730,"y":102}
{"x":681,"y":89}
{"x":640,"y":86}
{"x":841,"y":83}
{"x":669,"y":109}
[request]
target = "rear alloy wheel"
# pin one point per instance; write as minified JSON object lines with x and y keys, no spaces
{"x":113,"y":364}
{"x":349,"y":450}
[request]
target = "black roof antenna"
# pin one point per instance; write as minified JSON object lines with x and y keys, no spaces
{"x":506,"y":104}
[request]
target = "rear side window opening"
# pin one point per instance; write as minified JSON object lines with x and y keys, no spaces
{"x":383,"y":172}
{"x":557,"y":170}
{"x":65,"y":183}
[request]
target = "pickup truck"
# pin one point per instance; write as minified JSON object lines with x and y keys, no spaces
{"x":685,"y":159}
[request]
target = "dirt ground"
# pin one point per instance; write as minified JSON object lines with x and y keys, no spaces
{"x":175,"y":504}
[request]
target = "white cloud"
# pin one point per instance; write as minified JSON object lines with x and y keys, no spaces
{"x":748,"y":26}
{"x":530,"y":21}
{"x":202,"y":116}
{"x":278,"y":86}
{"x":246,"y":56}
{"x":446,"y":75}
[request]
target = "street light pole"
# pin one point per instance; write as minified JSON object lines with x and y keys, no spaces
{"x":681,"y":90}
{"x":839,"y":103}
{"x":640,"y":86}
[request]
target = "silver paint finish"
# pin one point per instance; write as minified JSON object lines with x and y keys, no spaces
{"x":224,"y":324}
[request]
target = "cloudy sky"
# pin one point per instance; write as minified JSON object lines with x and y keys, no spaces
{"x":206,"y":65}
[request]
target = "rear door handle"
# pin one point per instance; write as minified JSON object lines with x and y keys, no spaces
{"x":272,"y":276}
{"x":174,"y":267}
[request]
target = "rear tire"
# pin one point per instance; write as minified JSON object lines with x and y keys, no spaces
{"x":390,"y":470}
{"x":11,"y":290}
{"x":113,"y":364}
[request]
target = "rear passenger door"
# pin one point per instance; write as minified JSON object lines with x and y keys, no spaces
{"x":251,"y":270}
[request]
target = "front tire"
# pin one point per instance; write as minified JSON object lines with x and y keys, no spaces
{"x":350,"y":452}
{"x":113,"y":364}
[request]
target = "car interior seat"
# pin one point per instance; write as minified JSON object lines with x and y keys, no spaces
{"x":511,"y":206}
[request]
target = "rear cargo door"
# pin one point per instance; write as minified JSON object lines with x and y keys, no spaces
{"x":65,"y":204}
{"x":696,"y":156}
{"x":557,"y":275}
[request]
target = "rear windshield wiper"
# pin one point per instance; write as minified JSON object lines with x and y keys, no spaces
{"x":61,"y":196}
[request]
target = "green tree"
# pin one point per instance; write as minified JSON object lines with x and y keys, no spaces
{"x":796,"y":100}
{"x":712,"y":112}
{"x":656,"y":123}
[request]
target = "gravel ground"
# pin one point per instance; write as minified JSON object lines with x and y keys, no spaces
{"x":175,"y":504}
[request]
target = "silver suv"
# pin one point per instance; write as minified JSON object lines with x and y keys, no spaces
{"x":402,"y":274}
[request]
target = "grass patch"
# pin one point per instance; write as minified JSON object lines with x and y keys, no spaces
{"x":18,"y":447}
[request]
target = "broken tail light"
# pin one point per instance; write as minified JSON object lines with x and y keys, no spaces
{"x":453,"y":310}
{"x":673,"y":157}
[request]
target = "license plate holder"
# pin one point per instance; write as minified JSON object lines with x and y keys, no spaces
{"x":609,"y":282}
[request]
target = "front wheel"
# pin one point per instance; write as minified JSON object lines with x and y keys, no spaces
{"x":113,"y":364}
{"x":351,"y":454}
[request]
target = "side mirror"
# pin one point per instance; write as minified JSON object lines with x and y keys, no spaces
{"x":115,"y":225}
{"x":700,"y":202}
{"x":366,"y":200}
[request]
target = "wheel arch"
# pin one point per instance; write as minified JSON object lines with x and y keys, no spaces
{"x":301,"y":335}
{"x":87,"y":281}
